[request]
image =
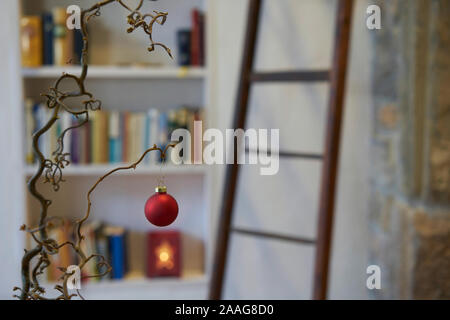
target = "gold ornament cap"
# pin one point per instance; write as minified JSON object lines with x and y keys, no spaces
{"x":161,"y":189}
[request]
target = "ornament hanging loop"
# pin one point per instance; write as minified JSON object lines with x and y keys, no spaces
{"x":163,"y":158}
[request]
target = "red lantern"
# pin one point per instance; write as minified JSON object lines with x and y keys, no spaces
{"x":161,"y":209}
{"x":164,"y":254}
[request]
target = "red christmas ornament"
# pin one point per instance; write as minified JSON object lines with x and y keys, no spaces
{"x":161,"y":209}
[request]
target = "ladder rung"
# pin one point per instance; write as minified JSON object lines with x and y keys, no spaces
{"x":273,"y":236}
{"x":288,"y":76}
{"x":286,"y":154}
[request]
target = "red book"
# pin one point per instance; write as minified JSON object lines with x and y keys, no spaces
{"x":164,"y":254}
{"x":195,"y":38}
{"x":202,"y":21}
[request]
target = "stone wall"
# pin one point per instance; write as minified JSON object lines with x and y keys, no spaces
{"x":410,"y":179}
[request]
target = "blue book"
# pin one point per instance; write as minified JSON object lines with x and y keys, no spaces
{"x":112,"y":145}
{"x":114,"y":137}
{"x":117,"y":255}
{"x":184,"y":47}
{"x":47,"y":36}
{"x":77,"y":46}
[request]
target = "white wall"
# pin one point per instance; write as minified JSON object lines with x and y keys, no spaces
{"x":295,"y":34}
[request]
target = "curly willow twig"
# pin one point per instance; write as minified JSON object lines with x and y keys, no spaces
{"x":51,"y":168}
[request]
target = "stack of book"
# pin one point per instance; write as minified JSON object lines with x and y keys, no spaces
{"x":46,"y":40}
{"x":131,"y":254}
{"x":191,"y":42}
{"x":109,"y":136}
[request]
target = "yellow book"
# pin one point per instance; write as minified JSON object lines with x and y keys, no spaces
{"x":99,"y":137}
{"x":31,"y":41}
{"x":103,"y":136}
{"x":29,"y":126}
{"x":60,"y":37}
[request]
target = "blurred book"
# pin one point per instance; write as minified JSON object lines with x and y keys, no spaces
{"x":109,"y":136}
{"x":191,"y":42}
{"x":136,"y":253}
{"x":47,"y":34}
{"x":131,"y":254}
{"x":46,"y":40}
{"x":198,"y":38}
{"x":116,"y":252}
{"x":184,"y":47}
{"x":61,"y":37}
{"x":31,"y":41}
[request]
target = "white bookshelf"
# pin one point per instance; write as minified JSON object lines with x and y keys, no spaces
{"x":119,"y":200}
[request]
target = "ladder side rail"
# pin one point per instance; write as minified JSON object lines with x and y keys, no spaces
{"x":332,"y":144}
{"x":232,"y":170}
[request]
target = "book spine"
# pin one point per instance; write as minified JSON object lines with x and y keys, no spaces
{"x":117,"y":256}
{"x":77,"y":46}
{"x":163,"y":131}
{"x":86,"y":146}
{"x":101,"y":247}
{"x":31,"y":41}
{"x":67,"y":123}
{"x":135,"y":137}
{"x":184,"y":47}
{"x":103,"y":137}
{"x":42,"y":115}
{"x":119,"y":146}
{"x":135,"y":248}
{"x":198,"y":150}
{"x":36,"y":124}
{"x":125,"y":138}
{"x":202,"y":39}
{"x":47,"y":35}
{"x":60,"y":37}
{"x":53,"y":136}
{"x":131,"y":125}
{"x":113,"y":136}
{"x":141,"y":141}
{"x":195,"y":38}
{"x":29,"y":127}
{"x":81,"y":150}
{"x":153,"y":138}
{"x":69,"y":47}
{"x":94,"y":138}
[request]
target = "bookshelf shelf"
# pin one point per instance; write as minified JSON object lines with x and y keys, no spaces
{"x":119,"y":72}
{"x":193,"y":287}
{"x":98,"y":170}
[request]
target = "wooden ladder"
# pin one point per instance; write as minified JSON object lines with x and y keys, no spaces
{"x":337,"y":77}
